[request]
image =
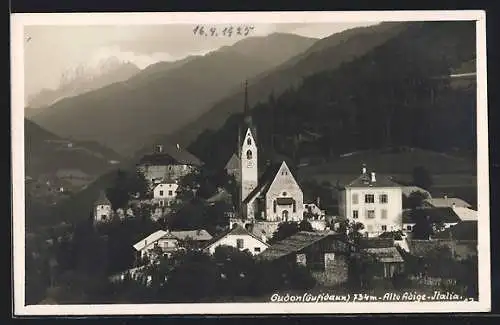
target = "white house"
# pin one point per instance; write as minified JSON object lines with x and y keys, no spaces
{"x":162,"y":239}
{"x":376,"y":202}
{"x":102,"y":209}
{"x":167,"y":163}
{"x":240,"y":238}
{"x":465,"y":214}
{"x":164,"y":193}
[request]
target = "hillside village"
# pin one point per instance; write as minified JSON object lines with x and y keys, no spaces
{"x":255,"y":207}
{"x":268,"y":216}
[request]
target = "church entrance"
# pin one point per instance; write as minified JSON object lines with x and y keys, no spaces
{"x":284,"y":215}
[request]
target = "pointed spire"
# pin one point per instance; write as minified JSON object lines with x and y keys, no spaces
{"x":246,"y":108}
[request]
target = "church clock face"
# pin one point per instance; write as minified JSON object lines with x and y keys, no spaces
{"x":249,"y":163}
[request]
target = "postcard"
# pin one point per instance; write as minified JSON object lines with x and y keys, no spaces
{"x":250,"y":163}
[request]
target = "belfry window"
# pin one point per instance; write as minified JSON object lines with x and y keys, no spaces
{"x":249,"y":154}
{"x":249,"y":141}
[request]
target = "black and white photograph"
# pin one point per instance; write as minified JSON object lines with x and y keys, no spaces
{"x":250,"y":163}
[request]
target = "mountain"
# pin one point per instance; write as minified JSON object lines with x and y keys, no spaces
{"x":398,"y":93}
{"x":325,"y":54}
{"x":82,"y":79}
{"x":47,"y":153}
{"x":125,"y":115}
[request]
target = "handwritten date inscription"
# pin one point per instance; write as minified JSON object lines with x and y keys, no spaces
{"x":224,"y":31}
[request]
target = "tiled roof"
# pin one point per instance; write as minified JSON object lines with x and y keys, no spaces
{"x":197,"y":235}
{"x":221,"y":195}
{"x":446,"y":215}
{"x":447,"y":202}
{"x":154,"y":237}
{"x":385,"y":254}
{"x":236,"y":230}
{"x":364,"y":180}
{"x":465,"y":214}
{"x":233,"y":162}
{"x":423,"y":247}
{"x":171,"y":155}
{"x":365,"y":243}
{"x":265,"y":181}
{"x":293,"y":244}
{"x":464,"y":230}
{"x":103,"y":199}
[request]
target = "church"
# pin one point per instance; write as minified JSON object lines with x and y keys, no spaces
{"x":266,"y":198}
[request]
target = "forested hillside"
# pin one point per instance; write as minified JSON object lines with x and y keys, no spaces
{"x":397,"y":94}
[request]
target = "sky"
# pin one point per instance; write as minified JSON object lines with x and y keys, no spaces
{"x":51,"y":50}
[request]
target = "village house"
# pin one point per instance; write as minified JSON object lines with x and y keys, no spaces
{"x":103,"y":211}
{"x":194,"y":239}
{"x":325,"y":254}
{"x":165,"y":193}
{"x":159,"y":241}
{"x":376,"y":202}
{"x":387,"y":261}
{"x":239,"y":238}
{"x":443,"y":217}
{"x":167,"y":164}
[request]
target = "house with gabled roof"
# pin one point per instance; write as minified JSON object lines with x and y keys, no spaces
{"x":442,"y":216}
{"x":239,"y":238}
{"x":159,"y":240}
{"x":326,"y":254}
{"x":167,"y":164}
{"x":373,"y":200}
{"x":446,"y":202}
{"x":102,"y":209}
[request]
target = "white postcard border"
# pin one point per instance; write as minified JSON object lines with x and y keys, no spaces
{"x":18,"y":21}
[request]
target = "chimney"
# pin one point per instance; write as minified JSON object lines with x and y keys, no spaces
{"x":159,"y":148}
{"x":446,"y":197}
{"x":363,"y":170}
{"x":317,"y":201}
{"x":178,"y":147}
{"x":373,"y":177}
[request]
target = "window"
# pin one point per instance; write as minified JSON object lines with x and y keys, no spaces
{"x":161,"y":193}
{"x":103,"y":217}
{"x":369,"y":198}
{"x":249,"y":154}
{"x":274,"y":206}
{"x":384,"y":228}
{"x":355,"y":198}
{"x":383,"y":198}
{"x":170,"y":193}
{"x":162,"y":203}
{"x":249,"y":141}
{"x":370,"y":214}
{"x":256,"y":249}
{"x":355,"y":214}
{"x":408,"y":227}
{"x":383,"y":214}
{"x":294,"y":207}
{"x":239,"y":243}
{"x":284,"y":193}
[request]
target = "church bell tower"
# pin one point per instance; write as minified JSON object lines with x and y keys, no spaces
{"x":248,"y":153}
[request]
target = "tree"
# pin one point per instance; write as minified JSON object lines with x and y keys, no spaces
{"x":305,"y":225}
{"x":423,"y":228}
{"x":284,"y":230}
{"x":422,"y":178}
{"x":414,"y":200}
{"x":118,"y":193}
